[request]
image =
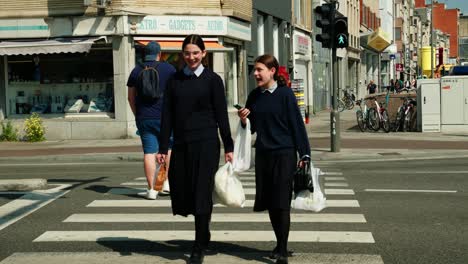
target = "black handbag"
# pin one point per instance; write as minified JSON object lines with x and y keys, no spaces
{"x":303,"y":178}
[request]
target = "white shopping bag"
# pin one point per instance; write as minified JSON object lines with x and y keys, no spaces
{"x":242,"y":148}
{"x":228,"y":188}
{"x":305,"y":200}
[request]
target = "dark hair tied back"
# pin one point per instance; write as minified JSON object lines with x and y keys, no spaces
{"x":271,"y":62}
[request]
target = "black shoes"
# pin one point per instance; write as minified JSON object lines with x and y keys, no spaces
{"x":197,"y":255}
{"x":275,"y":254}
{"x":282,"y":260}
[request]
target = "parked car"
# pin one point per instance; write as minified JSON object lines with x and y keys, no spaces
{"x":459,"y":70}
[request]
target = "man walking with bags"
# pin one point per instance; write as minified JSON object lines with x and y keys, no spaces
{"x":146,"y":86}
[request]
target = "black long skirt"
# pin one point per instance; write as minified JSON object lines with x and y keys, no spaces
{"x":274,"y":173}
{"x":191,"y":176}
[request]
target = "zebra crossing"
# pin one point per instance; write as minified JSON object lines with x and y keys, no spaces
{"x":229,"y":225}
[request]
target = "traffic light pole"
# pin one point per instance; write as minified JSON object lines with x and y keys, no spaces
{"x":335,"y":114}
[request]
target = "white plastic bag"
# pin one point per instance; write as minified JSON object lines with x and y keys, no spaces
{"x":242,"y":148}
{"x":228,"y":188}
{"x":305,"y":200}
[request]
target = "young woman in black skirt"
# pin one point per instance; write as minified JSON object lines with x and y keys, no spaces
{"x":274,"y":115}
{"x":194,"y":108}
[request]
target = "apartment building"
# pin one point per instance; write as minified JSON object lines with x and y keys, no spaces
{"x":70,"y":60}
{"x":463,"y":45}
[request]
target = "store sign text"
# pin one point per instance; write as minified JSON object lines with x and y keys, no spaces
{"x":302,"y":44}
{"x":176,"y":25}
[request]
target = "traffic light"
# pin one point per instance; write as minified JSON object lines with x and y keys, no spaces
{"x":341,"y":35}
{"x":327,"y":12}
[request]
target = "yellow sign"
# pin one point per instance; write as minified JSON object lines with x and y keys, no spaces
{"x":378,"y":40}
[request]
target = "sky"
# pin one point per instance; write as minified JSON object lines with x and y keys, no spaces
{"x":460,"y":4}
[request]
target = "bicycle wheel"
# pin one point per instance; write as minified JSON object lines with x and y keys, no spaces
{"x":398,"y":120}
{"x":360,"y":121}
{"x":385,"y":121}
{"x":408,"y":120}
{"x":349,"y":103}
{"x":373,"y":119}
{"x":341,"y":105}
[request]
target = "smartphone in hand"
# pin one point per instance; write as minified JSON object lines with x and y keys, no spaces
{"x":238,"y":107}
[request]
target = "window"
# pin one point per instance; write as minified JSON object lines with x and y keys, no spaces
{"x":260,"y":35}
{"x":275,"y":40}
{"x":302,"y":13}
{"x":398,"y":33}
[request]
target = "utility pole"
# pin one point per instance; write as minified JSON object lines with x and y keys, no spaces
{"x":432,"y":38}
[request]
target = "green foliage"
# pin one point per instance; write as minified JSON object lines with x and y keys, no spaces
{"x":34,"y":129}
{"x":9,"y":133}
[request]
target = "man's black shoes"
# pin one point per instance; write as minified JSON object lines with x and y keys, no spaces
{"x":197,"y":256}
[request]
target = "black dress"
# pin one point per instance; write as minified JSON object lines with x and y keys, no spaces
{"x":281,"y":135}
{"x":194,"y":108}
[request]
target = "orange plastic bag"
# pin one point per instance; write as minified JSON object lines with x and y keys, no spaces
{"x":160,"y":178}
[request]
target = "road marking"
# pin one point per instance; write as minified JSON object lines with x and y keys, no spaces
{"x":179,"y":258}
{"x":336,"y":184}
{"x":45,"y":164}
{"x":167,"y":203}
{"x":339,"y":191}
{"x":331,"y":173}
{"x":217,"y":217}
{"x":245,"y":184}
{"x":29,"y":203}
{"x":216,"y":235}
{"x":408,"y":190}
{"x":247,"y":191}
{"x":335,"y":178}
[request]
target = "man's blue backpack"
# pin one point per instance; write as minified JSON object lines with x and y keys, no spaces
{"x":148,"y":84}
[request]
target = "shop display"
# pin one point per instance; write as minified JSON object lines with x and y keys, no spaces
{"x":60,"y":83}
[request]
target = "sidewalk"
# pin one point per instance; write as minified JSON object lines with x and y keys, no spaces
{"x":355,"y":145}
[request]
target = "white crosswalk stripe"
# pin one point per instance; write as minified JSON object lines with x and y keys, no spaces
{"x":167,"y":203}
{"x":342,"y":210}
{"x":216,"y":235}
{"x":247,"y":191}
{"x":176,"y":258}
{"x":217,"y":217}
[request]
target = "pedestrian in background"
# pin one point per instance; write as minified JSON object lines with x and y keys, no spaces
{"x":148,"y":112}
{"x":194,"y":108}
{"x":371,"y":87}
{"x":274,"y":115}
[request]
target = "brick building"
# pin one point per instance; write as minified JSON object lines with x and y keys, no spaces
{"x":446,"y":20}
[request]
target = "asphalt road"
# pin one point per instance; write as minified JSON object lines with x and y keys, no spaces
{"x":427,"y":225}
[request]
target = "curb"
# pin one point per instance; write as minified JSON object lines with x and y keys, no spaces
{"x":346,"y":155}
{"x":22,"y":184}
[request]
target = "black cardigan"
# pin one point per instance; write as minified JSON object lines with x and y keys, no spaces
{"x":277,"y":120}
{"x":193,"y":109}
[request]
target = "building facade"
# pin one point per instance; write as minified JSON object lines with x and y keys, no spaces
{"x":463,"y":45}
{"x":70,"y":61}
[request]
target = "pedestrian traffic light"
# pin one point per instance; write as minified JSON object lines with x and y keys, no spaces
{"x":327,"y":12}
{"x":341,"y":35}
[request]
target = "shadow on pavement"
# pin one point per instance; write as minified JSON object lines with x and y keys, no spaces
{"x":179,"y":249}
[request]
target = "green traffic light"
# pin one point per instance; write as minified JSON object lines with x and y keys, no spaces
{"x":341,"y":40}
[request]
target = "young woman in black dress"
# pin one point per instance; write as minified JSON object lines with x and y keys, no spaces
{"x":274,"y":115}
{"x":194,"y":108}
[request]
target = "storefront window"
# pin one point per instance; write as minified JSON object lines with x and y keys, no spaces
{"x":71,"y":83}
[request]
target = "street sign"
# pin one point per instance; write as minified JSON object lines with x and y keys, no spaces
{"x":399,"y":67}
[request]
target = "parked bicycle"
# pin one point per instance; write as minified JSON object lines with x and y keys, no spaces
{"x":362,"y":115}
{"x":347,"y":101}
{"x":406,"y":114}
{"x":378,"y":115}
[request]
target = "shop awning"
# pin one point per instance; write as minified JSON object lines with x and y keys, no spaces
{"x":59,"y":45}
{"x":176,"y":45}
